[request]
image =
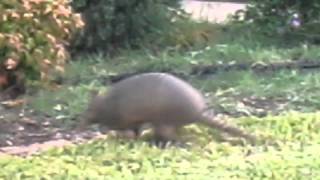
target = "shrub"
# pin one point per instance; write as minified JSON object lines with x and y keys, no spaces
{"x":112,"y":24}
{"x":283,"y":16}
{"x":33,"y":35}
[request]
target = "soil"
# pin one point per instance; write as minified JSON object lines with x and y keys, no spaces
{"x":22,"y":132}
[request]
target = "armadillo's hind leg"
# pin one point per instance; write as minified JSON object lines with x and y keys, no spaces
{"x":165,"y":134}
{"x":137,"y":131}
{"x":133,"y":133}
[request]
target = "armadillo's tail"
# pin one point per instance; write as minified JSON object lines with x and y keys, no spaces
{"x":232,"y":130}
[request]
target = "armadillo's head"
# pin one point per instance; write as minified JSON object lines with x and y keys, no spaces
{"x":92,"y":114}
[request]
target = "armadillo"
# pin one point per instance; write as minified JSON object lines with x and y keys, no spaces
{"x":162,"y":100}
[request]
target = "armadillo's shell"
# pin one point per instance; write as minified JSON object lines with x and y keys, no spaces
{"x":151,"y":97}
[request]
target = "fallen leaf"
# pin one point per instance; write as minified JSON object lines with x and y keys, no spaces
{"x":29,"y":121}
{"x":13,"y":103}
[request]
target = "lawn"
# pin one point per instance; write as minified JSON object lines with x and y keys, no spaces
{"x":292,"y":155}
{"x":280,"y":107}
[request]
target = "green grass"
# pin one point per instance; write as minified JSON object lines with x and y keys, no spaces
{"x":236,"y":44}
{"x":272,"y":93}
{"x":287,"y":89}
{"x":218,"y":53}
{"x":294,"y":156}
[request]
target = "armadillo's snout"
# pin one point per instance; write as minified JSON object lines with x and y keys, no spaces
{"x":83,"y":124}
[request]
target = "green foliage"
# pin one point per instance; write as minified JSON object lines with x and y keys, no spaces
{"x":66,"y":104}
{"x":111,"y":24}
{"x":33,"y":35}
{"x":232,"y":91}
{"x":189,"y":35}
{"x":284,"y":16}
{"x":294,"y":156}
{"x":247,"y":93}
{"x":272,"y":92}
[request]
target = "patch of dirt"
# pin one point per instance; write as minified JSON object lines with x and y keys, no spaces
{"x":256,"y":67}
{"x":262,"y":106}
{"x":24,"y":133}
{"x":203,"y":70}
{"x":240,"y":106}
